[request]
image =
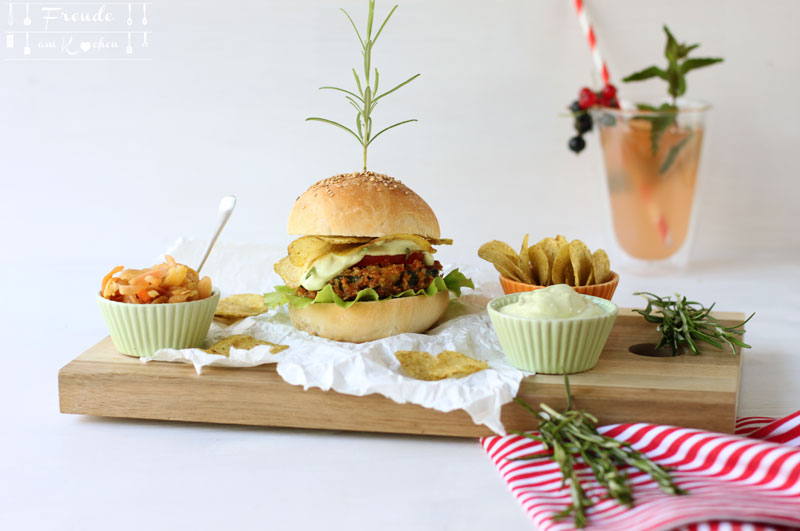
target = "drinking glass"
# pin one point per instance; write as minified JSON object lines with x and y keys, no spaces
{"x":651,"y":160}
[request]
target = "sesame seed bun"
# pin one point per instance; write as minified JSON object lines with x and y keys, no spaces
{"x":368,"y":321}
{"x":361,"y":204}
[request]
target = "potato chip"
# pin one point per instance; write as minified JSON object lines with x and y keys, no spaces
{"x":581,"y":260}
{"x":242,"y":341}
{"x":524,"y":249}
{"x":422,"y":243}
{"x":569,"y":274}
{"x":448,"y":364}
{"x":559,"y":274}
{"x":240,"y":306}
{"x":504,"y":259}
{"x":550,"y":261}
{"x":525,"y":262}
{"x":495,"y":248}
{"x":540,"y":265}
{"x":305,"y":250}
{"x":291,"y":274}
{"x":602,"y":266}
{"x":339,"y":240}
{"x":550,"y":248}
{"x":506,"y":269}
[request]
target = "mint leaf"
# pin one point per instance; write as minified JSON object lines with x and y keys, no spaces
{"x":683,"y":50}
{"x":647,"y":73}
{"x":671,"y":48}
{"x":678,"y":64}
{"x":699,"y":62}
{"x":659,"y":123}
{"x":673,"y":154}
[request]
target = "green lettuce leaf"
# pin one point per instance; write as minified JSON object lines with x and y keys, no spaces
{"x":453,"y":282}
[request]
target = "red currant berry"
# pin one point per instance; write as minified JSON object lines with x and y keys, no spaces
{"x":587,"y":98}
{"x":609,"y":93}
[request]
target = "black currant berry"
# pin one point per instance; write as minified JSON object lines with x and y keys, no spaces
{"x":577,"y":143}
{"x":575,"y":107}
{"x":583,"y":123}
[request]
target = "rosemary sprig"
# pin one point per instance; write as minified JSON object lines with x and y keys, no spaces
{"x":366,"y":96}
{"x":684,"y":322}
{"x":571,"y":437}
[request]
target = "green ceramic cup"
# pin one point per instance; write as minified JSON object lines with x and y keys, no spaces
{"x":552,"y":346}
{"x":142,"y":329}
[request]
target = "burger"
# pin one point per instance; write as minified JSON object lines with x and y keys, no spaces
{"x":363,"y":268}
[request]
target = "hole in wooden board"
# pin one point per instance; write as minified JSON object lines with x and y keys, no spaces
{"x":649,"y":349}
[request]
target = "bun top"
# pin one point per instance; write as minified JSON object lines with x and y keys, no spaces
{"x":361,"y":204}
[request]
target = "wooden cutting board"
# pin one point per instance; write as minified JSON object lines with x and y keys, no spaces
{"x":690,"y":391}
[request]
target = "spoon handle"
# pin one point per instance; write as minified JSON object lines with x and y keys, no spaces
{"x":225,"y":210}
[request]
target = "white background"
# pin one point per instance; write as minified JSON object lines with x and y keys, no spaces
{"x":107,"y":163}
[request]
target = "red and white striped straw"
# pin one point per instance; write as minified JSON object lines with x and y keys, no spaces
{"x":588,"y":30}
{"x":656,"y":215}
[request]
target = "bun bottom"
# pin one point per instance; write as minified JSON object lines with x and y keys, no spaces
{"x":368,"y":321}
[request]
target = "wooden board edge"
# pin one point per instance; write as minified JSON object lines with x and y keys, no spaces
{"x":107,"y":397}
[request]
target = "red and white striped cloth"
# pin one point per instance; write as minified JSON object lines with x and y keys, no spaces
{"x":747,"y":481}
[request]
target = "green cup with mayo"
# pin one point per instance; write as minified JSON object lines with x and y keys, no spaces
{"x":552,"y":330}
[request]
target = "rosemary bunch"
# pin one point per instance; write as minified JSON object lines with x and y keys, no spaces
{"x":571,"y":437}
{"x":685,"y":322}
{"x":366,"y":96}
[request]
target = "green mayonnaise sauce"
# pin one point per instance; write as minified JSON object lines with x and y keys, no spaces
{"x":555,"y":302}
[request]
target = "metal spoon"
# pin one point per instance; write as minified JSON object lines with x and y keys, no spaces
{"x":225,"y":209}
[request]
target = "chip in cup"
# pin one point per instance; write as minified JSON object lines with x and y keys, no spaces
{"x":550,"y":248}
{"x":525,"y":261}
{"x":448,"y":364}
{"x":581,"y":260}
{"x":562,"y":267}
{"x":540,"y":265}
{"x":550,"y":261}
{"x":601,"y":266}
{"x":503,"y":257}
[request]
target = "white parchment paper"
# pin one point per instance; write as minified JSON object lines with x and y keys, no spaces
{"x":357,"y":369}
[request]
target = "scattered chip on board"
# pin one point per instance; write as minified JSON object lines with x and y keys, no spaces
{"x":242,"y":341}
{"x":240,"y":306}
{"x":448,"y":364}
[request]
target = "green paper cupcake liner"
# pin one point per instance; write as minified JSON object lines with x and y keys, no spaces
{"x":142,"y":329}
{"x":552,"y":346}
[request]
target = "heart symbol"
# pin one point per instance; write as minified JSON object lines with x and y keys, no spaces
{"x":86,"y":46}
